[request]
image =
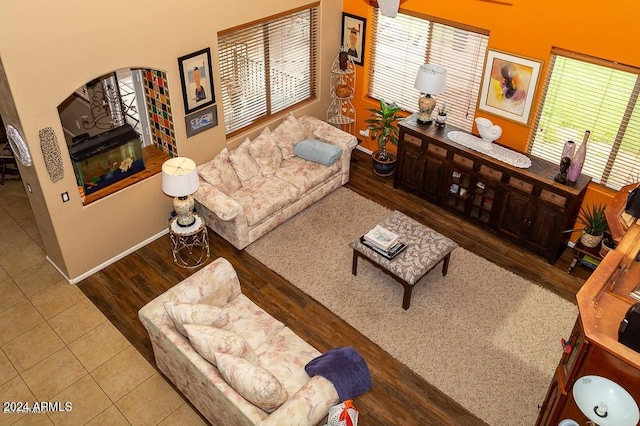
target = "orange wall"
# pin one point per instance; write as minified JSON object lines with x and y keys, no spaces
{"x":530,"y":29}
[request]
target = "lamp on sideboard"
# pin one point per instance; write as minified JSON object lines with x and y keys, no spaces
{"x":430,"y":80}
{"x":180,"y":180}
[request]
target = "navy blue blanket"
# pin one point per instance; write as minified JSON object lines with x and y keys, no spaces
{"x":345,"y":368}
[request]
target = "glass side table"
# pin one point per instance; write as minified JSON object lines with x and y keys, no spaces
{"x":190,"y":244}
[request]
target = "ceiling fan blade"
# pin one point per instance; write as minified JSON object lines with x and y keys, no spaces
{"x":502,"y":2}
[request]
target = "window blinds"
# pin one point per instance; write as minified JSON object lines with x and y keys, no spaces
{"x":402,"y":44}
{"x":583,"y":93}
{"x":267,"y":66}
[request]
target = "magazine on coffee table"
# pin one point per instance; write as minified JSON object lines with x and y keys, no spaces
{"x":389,"y":254}
{"x":381,"y":237}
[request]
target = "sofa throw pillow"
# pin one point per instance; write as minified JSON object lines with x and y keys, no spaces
{"x":208,"y":341}
{"x":244,"y":164}
{"x":265,"y":151}
{"x":196,"y":313}
{"x":319,"y":152}
{"x":256,"y":384}
{"x":288,"y":134}
{"x":220,"y":173}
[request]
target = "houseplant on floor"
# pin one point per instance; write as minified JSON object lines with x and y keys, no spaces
{"x":384,"y":128}
{"x":595,"y":224}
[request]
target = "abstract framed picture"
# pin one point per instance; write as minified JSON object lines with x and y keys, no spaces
{"x":197,"y":80}
{"x":508,"y":85}
{"x":201,"y":120}
{"x":353,"y":28}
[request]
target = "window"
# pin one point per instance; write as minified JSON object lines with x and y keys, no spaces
{"x":402,"y":44}
{"x":267,"y":66}
{"x":584,"y":93}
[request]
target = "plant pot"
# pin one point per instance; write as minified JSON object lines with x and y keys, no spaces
{"x":606,"y":246}
{"x":589,"y":240}
{"x":441,"y":120}
{"x":383,"y":167}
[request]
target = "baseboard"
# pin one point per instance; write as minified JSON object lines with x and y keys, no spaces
{"x":360,"y":148}
{"x":114,"y":259}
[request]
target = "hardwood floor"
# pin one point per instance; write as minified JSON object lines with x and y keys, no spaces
{"x":398,"y":396}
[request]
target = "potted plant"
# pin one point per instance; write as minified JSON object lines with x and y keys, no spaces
{"x":384,"y":129}
{"x":607,"y":244}
{"x":595,"y":224}
{"x":441,"y":117}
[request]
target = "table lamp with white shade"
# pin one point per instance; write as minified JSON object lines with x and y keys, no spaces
{"x":430,"y":80}
{"x":180,"y":180}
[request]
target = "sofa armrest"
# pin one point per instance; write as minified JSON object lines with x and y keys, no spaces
{"x":308,"y":406}
{"x":327,"y":133}
{"x":223,"y":206}
{"x":215,"y":284}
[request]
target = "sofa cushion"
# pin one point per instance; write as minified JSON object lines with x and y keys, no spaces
{"x":288,"y":134}
{"x":319,"y":152}
{"x":208,"y":341}
{"x":196,"y":313}
{"x":251,"y":321}
{"x":244,"y":164}
{"x":282,"y":354}
{"x":265,"y":151}
{"x":304,"y":174}
{"x":256,"y":384}
{"x":265,"y":196}
{"x":220,"y":173}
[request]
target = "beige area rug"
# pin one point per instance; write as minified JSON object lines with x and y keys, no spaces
{"x":484,"y":336}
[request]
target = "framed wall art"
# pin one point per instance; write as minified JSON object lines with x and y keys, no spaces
{"x":508,"y":85}
{"x":353,"y":28}
{"x":197,"y":80}
{"x":201,"y":120}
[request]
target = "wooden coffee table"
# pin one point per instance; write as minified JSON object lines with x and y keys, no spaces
{"x":425,"y":250}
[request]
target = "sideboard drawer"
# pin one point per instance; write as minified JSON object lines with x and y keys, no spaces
{"x":556,"y":199}
{"x":490,"y":173}
{"x":521,"y":185}
{"x":412,"y":140}
{"x":463,"y":161}
{"x":437,"y":150}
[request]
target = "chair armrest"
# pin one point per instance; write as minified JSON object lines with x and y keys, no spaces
{"x":308,"y":406}
{"x":223,"y":206}
{"x":328,"y":133}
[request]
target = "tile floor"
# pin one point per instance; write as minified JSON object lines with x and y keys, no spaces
{"x":48,"y":355}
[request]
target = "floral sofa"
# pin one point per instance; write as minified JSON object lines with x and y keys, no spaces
{"x":237,"y":364}
{"x":247,"y":191}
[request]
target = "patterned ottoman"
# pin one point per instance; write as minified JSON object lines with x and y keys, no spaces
{"x":425,"y":249}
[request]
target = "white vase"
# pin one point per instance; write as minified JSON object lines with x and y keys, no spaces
{"x":489,"y":132}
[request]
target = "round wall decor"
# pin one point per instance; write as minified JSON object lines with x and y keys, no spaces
{"x":18,"y":146}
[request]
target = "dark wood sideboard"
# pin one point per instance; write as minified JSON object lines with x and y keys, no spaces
{"x":523,"y":205}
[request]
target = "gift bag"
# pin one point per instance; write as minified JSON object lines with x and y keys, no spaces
{"x":344,"y":414}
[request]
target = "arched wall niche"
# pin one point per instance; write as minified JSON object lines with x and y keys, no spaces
{"x":102,"y":113}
